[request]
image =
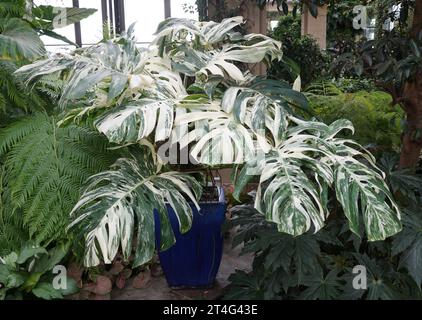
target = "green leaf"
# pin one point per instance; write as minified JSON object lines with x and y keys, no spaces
{"x":71,"y":287}
{"x":46,"y":291}
{"x":4,"y":272}
{"x":11,"y":259}
{"x":379,"y":286}
{"x":49,"y":261}
{"x":409,"y":244}
{"x":3,"y":292}
{"x":18,"y":41}
{"x":412,"y":260}
{"x":63,"y":16}
{"x":53,"y":163}
{"x":320,"y":287}
{"x":14,"y":280}
{"x":31,"y":281}
{"x":30,"y":250}
{"x":57,"y":36}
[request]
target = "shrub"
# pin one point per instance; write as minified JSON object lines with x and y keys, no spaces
{"x":301,"y":54}
{"x":377,"y":122}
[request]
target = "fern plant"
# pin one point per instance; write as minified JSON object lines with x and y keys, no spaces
{"x":226,"y":117}
{"x":12,"y":232}
{"x":45,"y":167}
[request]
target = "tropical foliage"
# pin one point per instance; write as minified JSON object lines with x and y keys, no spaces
{"x":189,"y":88}
{"x":321,"y":266}
{"x":29,"y":272}
{"x":44,"y":168}
{"x":377,"y":122}
{"x":301,"y":54}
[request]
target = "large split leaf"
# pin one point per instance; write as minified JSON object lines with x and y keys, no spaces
{"x":132,"y":123}
{"x":118,"y":202}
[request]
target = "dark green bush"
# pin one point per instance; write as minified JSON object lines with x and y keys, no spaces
{"x":302,"y":55}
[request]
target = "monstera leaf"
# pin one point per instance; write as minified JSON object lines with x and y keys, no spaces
{"x":287,"y":194}
{"x":216,"y":57}
{"x":296,"y":176}
{"x":110,"y":74}
{"x":132,"y":123}
{"x":235,"y":129}
{"x":118,"y":202}
{"x":209,"y":33}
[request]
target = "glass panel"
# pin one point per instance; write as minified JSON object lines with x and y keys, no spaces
{"x":184,"y":9}
{"x":146,"y":14}
{"x":92,"y":27}
{"x":68,"y":31}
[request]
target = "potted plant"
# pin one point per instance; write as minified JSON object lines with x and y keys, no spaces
{"x":186,"y":93}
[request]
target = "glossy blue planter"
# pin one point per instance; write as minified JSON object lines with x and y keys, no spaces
{"x":194,"y":260}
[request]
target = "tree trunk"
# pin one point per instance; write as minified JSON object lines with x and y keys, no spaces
{"x":412,"y":136}
{"x":417,"y":19}
{"x":412,"y":100}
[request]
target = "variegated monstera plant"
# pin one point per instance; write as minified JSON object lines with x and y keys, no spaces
{"x":188,"y":89}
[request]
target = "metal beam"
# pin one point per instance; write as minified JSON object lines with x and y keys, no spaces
{"x":167,"y":9}
{"x":78,"y":34}
{"x":111,"y":18}
{"x":119,"y":16}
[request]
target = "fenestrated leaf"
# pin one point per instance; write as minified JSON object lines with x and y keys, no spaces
{"x":286,"y":194}
{"x":114,"y":202}
{"x":217,"y":58}
{"x":131,"y":123}
{"x":354,"y":182}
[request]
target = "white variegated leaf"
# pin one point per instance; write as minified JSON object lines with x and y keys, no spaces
{"x":132,"y":123}
{"x":116,"y":203}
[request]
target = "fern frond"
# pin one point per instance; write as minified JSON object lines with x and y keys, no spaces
{"x":12,"y":8}
{"x":47,"y":166}
{"x":12,"y":233}
{"x":18,"y":96}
